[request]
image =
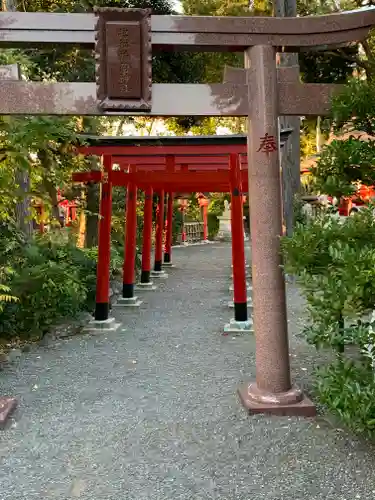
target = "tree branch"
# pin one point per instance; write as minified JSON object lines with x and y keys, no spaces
{"x":354,"y":59}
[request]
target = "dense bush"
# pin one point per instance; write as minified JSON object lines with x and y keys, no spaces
{"x":215,"y":209}
{"x":334,"y":261}
{"x":347,"y":388}
{"x":177,"y":223}
{"x":50,"y":278}
{"x":213,"y":225}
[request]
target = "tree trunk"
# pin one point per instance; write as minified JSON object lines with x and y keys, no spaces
{"x":45,"y":158}
{"x":290,"y":163}
{"x":23,"y":205}
{"x":92,"y":206}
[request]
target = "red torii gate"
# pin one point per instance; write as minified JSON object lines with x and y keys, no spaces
{"x":166,"y":164}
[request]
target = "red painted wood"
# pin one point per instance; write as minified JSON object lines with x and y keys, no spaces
{"x":163,"y":150}
{"x":238,"y":245}
{"x":222,"y":159}
{"x":147,"y":231}
{"x":205,"y":222}
{"x":190,"y":188}
{"x":169,"y":223}
{"x":168,"y":178}
{"x":130,"y":235}
{"x":104,"y":244}
{"x":159,"y":228}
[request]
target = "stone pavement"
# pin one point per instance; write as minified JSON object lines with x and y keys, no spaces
{"x":152,"y":412}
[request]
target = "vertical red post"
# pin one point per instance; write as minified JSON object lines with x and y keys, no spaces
{"x":104,"y":245}
{"x":147,"y":237}
{"x":238,"y":244}
{"x":159,"y":233}
{"x":169,"y":223}
{"x":205,"y":222}
{"x":130,"y":242}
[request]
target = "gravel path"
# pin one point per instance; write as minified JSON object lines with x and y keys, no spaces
{"x":152,"y":413}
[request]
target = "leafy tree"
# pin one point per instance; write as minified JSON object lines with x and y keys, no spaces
{"x":351,"y":158}
{"x":72,"y":64}
{"x":78,"y":65}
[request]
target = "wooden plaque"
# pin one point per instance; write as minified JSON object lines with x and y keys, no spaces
{"x":123,"y":57}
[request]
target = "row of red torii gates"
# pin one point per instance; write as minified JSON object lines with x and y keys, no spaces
{"x":167,"y":165}
{"x":125,"y":41}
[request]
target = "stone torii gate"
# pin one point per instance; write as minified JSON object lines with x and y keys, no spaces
{"x":124,"y":42}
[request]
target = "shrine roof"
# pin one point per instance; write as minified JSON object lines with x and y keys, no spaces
{"x":170,"y":140}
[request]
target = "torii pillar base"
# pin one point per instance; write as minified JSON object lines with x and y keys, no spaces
{"x":238,"y":327}
{"x":128,"y":302}
{"x":158,"y":274}
{"x":168,"y":264}
{"x":286,"y":404}
{"x":105,"y":326}
{"x":149,"y":286}
{"x":7,"y":407}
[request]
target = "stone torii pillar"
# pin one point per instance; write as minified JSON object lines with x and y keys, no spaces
{"x":272,"y":390}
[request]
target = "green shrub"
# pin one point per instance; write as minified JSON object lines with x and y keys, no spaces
{"x":51,"y":279}
{"x":46,"y":293}
{"x":177,"y":224}
{"x":334,"y":261}
{"x":347,"y":388}
{"x":213,"y":225}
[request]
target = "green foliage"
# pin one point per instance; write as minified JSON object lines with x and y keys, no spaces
{"x":46,"y":293}
{"x":213,"y":225}
{"x":177,"y":223}
{"x":51,"y":278}
{"x":193,"y":212}
{"x":354,"y":107}
{"x":335,"y":67}
{"x":215,"y":209}
{"x":350,"y":160}
{"x":334,"y":261}
{"x":342,"y":164}
{"x":348,"y":389}
{"x":216,"y":206}
{"x":300,"y":217}
{"x":5,"y":296}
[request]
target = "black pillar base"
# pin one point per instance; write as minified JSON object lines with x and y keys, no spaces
{"x":240,"y":311}
{"x":167,"y":258}
{"x":128,"y":290}
{"x":101,"y":311}
{"x":158,"y":265}
{"x":145,"y":276}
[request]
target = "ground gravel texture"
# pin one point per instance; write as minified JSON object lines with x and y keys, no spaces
{"x":152,"y":412}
